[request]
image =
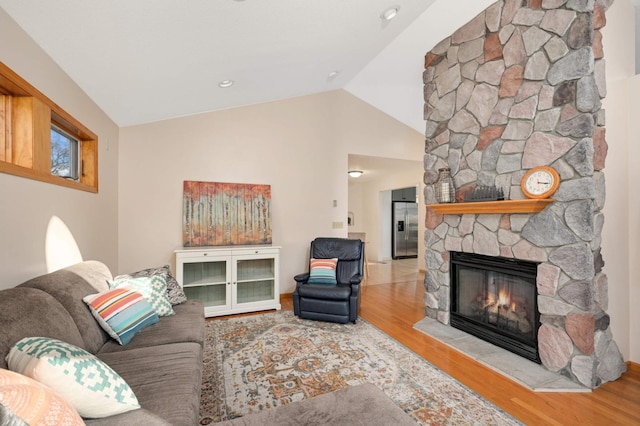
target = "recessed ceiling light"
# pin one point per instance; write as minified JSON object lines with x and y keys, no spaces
{"x":226,"y":83}
{"x":390,"y":13}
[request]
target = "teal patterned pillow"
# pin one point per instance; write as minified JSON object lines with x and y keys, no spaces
{"x":174,"y":290}
{"x":87,"y":383}
{"x":153,"y":288}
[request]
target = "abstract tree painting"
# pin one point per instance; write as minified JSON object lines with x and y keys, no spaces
{"x":220,"y":214}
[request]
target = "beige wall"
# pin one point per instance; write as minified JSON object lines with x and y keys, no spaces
{"x":621,"y":233}
{"x":632,"y":231}
{"x":26,"y":206}
{"x":299,"y":146}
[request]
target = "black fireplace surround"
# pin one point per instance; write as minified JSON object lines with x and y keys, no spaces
{"x":495,"y":299}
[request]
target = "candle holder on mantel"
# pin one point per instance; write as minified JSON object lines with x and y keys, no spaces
{"x":445,"y":191}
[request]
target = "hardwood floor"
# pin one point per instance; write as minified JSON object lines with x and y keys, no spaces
{"x":393,"y":302}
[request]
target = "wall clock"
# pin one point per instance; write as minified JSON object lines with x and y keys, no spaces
{"x":540,"y":182}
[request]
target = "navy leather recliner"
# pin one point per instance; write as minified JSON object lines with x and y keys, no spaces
{"x":334,"y":303}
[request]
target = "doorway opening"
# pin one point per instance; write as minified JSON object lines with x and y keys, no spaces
{"x":404,"y":227}
{"x":370,"y":202}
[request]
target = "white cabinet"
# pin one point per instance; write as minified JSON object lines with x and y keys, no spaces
{"x":230,"y":280}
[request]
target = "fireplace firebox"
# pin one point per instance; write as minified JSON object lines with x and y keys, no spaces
{"x":495,"y":299}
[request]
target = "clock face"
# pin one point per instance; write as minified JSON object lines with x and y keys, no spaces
{"x":540,"y":182}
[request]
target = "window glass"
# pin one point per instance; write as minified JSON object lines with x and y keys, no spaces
{"x":64,"y":154}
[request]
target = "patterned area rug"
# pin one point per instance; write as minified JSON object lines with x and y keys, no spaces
{"x":258,"y":362}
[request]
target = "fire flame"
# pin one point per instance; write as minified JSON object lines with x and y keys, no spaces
{"x":504,"y":300}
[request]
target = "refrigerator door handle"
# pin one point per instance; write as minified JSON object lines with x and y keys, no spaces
{"x":406,"y":220}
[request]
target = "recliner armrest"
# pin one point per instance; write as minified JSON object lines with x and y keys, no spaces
{"x":302,"y":278}
{"x":356,"y":279}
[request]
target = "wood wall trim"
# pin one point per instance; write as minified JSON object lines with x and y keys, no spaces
{"x":25,"y":172}
{"x":26,"y":115}
{"x":488,"y":207}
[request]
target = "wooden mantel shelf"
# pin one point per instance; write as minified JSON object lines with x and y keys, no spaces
{"x":487,"y":207}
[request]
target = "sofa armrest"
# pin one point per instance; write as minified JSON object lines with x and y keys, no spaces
{"x":139,"y":417}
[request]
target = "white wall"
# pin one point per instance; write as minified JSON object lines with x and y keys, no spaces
{"x":298,"y":146}
{"x":392,"y":81}
{"x":26,"y":205}
{"x":621,"y":233}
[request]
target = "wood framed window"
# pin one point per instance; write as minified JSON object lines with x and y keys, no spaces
{"x":27,"y":120}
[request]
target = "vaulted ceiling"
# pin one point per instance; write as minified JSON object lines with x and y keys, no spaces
{"x":149,"y":60}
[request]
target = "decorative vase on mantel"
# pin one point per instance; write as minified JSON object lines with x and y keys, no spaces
{"x":444,"y":189}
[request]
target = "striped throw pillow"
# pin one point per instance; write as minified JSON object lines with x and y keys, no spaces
{"x":153,"y":288}
{"x":323,"y":271}
{"x":121,"y":312}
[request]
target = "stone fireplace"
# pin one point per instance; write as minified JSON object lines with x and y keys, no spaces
{"x":520,"y":86}
{"x":495,"y":299}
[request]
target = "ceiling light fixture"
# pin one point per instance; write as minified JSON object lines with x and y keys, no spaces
{"x":355,"y":173}
{"x":390,"y":13}
{"x":332,"y":75}
{"x":226,"y":83}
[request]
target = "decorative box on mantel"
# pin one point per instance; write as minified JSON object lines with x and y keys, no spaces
{"x":517,"y":87}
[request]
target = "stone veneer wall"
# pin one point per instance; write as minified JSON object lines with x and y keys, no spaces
{"x":521,"y":86}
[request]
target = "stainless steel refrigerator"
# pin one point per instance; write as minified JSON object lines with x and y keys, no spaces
{"x":405,"y":230}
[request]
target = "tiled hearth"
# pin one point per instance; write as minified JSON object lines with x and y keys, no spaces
{"x":520,"y":86}
{"x":525,"y":372}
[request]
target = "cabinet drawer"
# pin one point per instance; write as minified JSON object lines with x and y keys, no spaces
{"x":200,"y":254}
{"x":256,"y":250}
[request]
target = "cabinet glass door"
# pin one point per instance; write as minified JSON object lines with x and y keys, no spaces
{"x":206,"y":281}
{"x":255,"y":280}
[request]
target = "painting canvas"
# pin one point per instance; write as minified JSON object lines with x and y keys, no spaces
{"x":220,"y":214}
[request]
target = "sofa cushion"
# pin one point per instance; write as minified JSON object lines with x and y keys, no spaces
{"x":86,"y":382}
{"x":362,"y":404}
{"x":153,"y":288}
{"x":94,"y":272}
{"x":121,"y":312}
{"x":187,"y":325}
{"x":26,"y":312}
{"x":174,"y":290}
{"x":139,"y":417}
{"x":69,"y":288}
{"x":166,"y":379}
{"x":33,"y":403}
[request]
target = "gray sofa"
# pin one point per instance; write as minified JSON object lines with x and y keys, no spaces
{"x":162,"y":364}
{"x":363,"y":404}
